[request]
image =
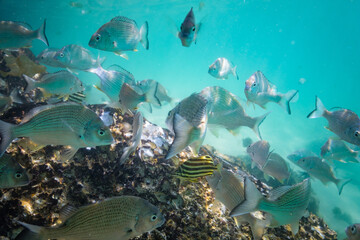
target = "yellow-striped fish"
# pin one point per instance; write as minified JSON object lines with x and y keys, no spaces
{"x":197,"y":167}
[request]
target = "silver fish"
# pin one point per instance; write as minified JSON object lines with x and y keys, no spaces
{"x":7,"y":101}
{"x":136,"y":138}
{"x":120,"y":34}
{"x":226,"y":111}
{"x":260,"y":91}
{"x":353,"y":231}
{"x":318,"y":168}
{"x":47,"y":57}
{"x":344,"y":123}
{"x":116,"y":218}
{"x":259,"y":153}
{"x":221,"y":69}
{"x":57,"y":83}
{"x":18,"y":34}
{"x":76,"y":57}
{"x":276,"y":167}
{"x":11,"y":173}
{"x":286,"y":204}
{"x":335,"y":149}
{"x":189,"y":29}
{"x":160,"y":92}
{"x":188,"y":121}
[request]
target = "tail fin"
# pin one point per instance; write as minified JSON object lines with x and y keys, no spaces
{"x":340,"y":183}
{"x":144,"y":32}
{"x":151,"y":96}
{"x":234,"y":72}
{"x":127,"y":151}
{"x":319,"y":109}
{"x":32,"y":228}
{"x":258,"y":121}
{"x":6,"y":135}
{"x":15,"y":96}
{"x":26,"y":234}
{"x":31,"y":83}
{"x":251,"y":201}
{"x":286,"y":99}
{"x":41,"y":33}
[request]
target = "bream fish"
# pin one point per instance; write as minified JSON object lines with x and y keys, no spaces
{"x":11,"y":173}
{"x":221,"y":69}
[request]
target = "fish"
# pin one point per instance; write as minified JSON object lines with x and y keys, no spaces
{"x":342,"y":215}
{"x":276,"y":167}
{"x":107,"y":119}
{"x":259,"y":153}
{"x":319,"y":169}
{"x":11,"y":173}
{"x":247,"y":142}
{"x":228,"y":188}
{"x":353,"y":231}
{"x":116,"y":218}
{"x":65,"y":124}
{"x":58,"y":83}
{"x":260,"y":91}
{"x":111,"y":81}
{"x":47,"y":57}
{"x":19,"y":34}
{"x":344,"y":122}
{"x":132,"y":96}
{"x":285,"y":204}
{"x":119,"y":35}
{"x":221,"y":69}
{"x":188,"y":121}
{"x":335,"y":149}
{"x":136,"y":138}
{"x":226,"y":111}
{"x":7,"y":101}
{"x":75,"y":57}
{"x":196,"y":167}
{"x":160,"y":92}
{"x":189,"y":29}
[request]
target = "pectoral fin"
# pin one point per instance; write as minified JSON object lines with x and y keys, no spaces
{"x":67,"y":153}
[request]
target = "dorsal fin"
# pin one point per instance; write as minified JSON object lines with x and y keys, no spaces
{"x":123,"y":19}
{"x":116,"y":67}
{"x":278,"y":192}
{"x":66,"y":212}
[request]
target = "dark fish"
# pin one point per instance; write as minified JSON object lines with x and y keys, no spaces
{"x":197,"y":167}
{"x":353,"y":231}
{"x":189,"y":29}
{"x":11,"y":173}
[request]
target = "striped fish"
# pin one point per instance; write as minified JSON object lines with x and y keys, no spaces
{"x":197,"y":167}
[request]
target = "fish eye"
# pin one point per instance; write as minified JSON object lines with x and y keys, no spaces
{"x":193,"y":29}
{"x":357,"y":134}
{"x":42,"y":57}
{"x":18,"y":175}
{"x":181,"y":27}
{"x":61,"y":55}
{"x":353,"y":229}
{"x":153,"y":217}
{"x":254,"y":84}
{"x":98,"y":37}
{"x":101,"y":132}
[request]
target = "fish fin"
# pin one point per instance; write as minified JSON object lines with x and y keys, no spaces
{"x":267,"y":177}
{"x":147,"y":106}
{"x":151,"y":95}
{"x":234,"y":132}
{"x":67,"y":153}
{"x":258,"y":121}
{"x":215,"y":132}
{"x":41,"y":33}
{"x":98,"y":88}
{"x":127,"y":152}
{"x":294,"y":227}
{"x":66,"y":212}
{"x":31,"y":83}
{"x":14,"y":96}
{"x":6,"y":135}
{"x":251,"y":201}
{"x":123,"y":55}
{"x":340,"y":183}
{"x":32,"y":228}
{"x":319,"y":109}
{"x":144,"y":32}
{"x":26,"y":234}
{"x":234,"y":72}
{"x":258,"y":228}
{"x":287,"y":99}
{"x":253,"y":165}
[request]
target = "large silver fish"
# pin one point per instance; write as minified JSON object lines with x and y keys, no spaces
{"x":68,"y":124}
{"x":189,"y":29}
{"x":47,"y":57}
{"x":137,"y":127}
{"x":18,"y":34}
{"x":259,"y":153}
{"x":335,"y":149}
{"x":260,"y":91}
{"x":11,"y":173}
{"x":344,"y":122}
{"x":353,"y":232}
{"x":285,"y":204}
{"x":229,"y":190}
{"x":117,"y":218}
{"x":226,"y":111}
{"x":120,"y":34}
{"x":221,"y":69}
{"x":188,"y":121}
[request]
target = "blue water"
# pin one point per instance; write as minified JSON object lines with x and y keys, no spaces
{"x":287,"y":40}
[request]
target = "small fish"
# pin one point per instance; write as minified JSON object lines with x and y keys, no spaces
{"x":120,"y":34}
{"x":107,"y":119}
{"x":196,"y":167}
{"x":76,"y":57}
{"x":260,"y":91}
{"x":285,"y":204}
{"x":58,"y":83}
{"x":68,"y":124}
{"x":114,"y":218}
{"x":276,"y":167}
{"x":247,"y":142}
{"x":229,"y":190}
{"x":160,"y":92}
{"x":335,"y":149}
{"x":221,"y":69}
{"x":136,"y":138}
{"x":18,"y":34}
{"x":318,"y":168}
{"x":226,"y":111}
{"x":188,"y":121}
{"x":47,"y":57}
{"x":189,"y":30}
{"x":353,"y":231}
{"x":11,"y":173}
{"x":7,"y":101}
{"x":259,"y":153}
{"x":344,"y":122}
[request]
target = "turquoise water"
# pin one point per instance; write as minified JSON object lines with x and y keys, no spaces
{"x":287,"y":40}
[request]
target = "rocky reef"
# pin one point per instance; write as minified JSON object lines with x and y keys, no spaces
{"x":189,"y":208}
